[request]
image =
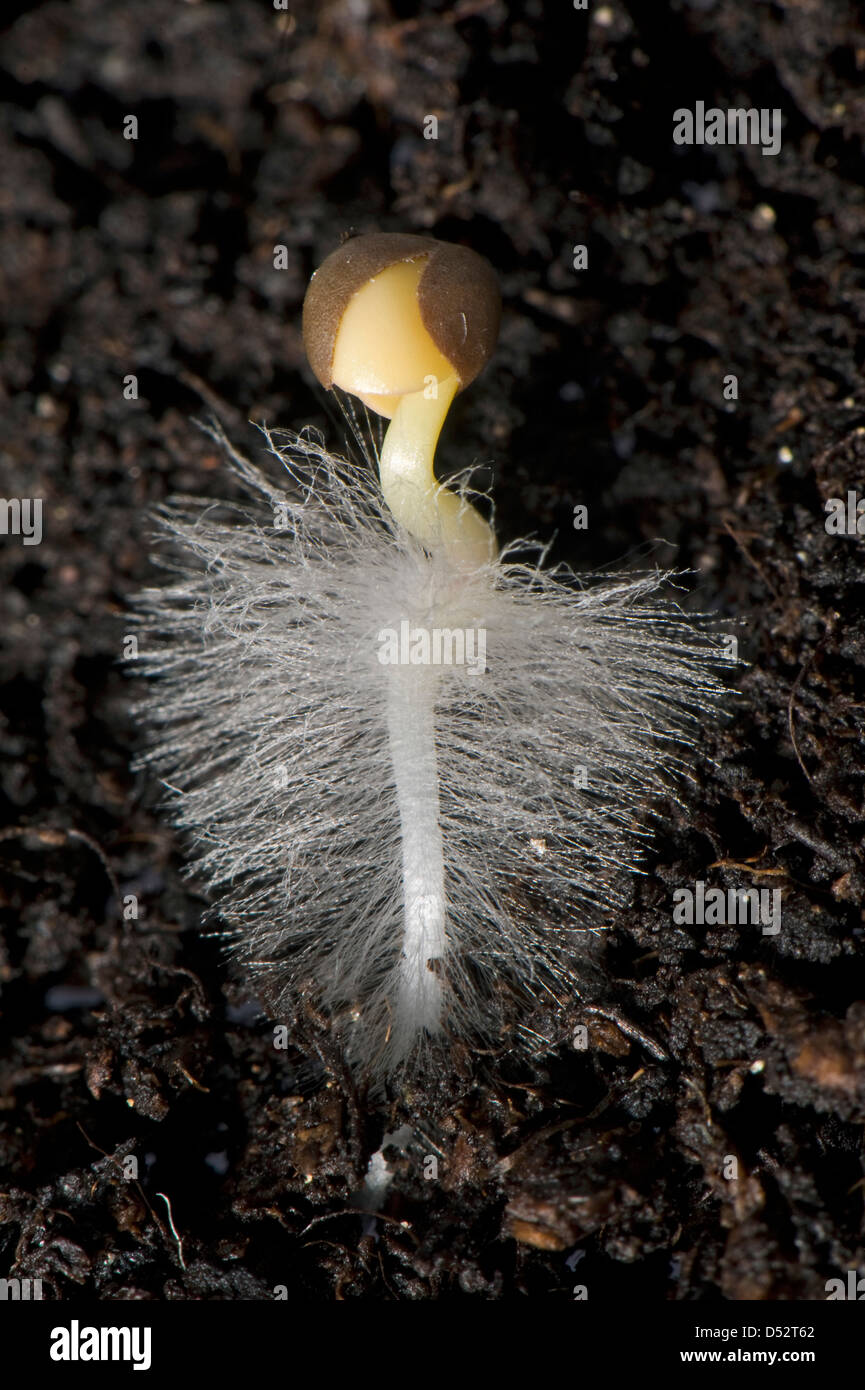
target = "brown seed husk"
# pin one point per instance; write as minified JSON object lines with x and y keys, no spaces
{"x":458,"y":297}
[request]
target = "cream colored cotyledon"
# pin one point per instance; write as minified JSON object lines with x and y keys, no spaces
{"x":403,"y":323}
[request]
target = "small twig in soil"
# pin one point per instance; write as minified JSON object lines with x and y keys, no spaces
{"x":179,"y":1242}
{"x":53,"y":838}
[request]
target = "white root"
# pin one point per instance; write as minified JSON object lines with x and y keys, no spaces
{"x":411,"y":738}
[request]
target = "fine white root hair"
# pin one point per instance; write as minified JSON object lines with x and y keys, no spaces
{"x":420,"y":848}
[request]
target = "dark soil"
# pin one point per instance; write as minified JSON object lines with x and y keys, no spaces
{"x":134,"y":1039}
